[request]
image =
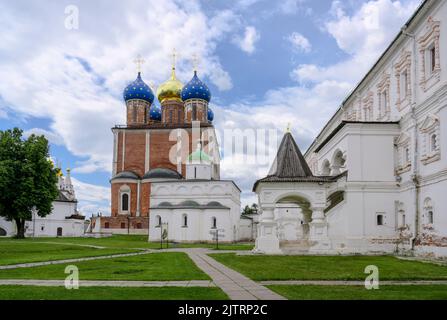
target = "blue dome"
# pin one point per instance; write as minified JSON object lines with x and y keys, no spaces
{"x":196,"y":89}
{"x":210,"y":115}
{"x":155,"y":113}
{"x":138,"y":90}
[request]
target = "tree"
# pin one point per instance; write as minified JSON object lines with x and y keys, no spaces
{"x":250,"y":210}
{"x":27,"y":178}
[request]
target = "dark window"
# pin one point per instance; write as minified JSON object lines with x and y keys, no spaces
{"x":214,"y":220}
{"x":170,"y":116}
{"x":125,"y":202}
{"x":158,"y":219}
{"x":59,"y":232}
{"x":139,"y":225}
{"x":433,"y":58}
{"x":123,"y":225}
{"x":194,"y":111}
{"x":380,"y":220}
{"x":185,"y":220}
{"x":430,"y":217}
{"x":106,"y":225}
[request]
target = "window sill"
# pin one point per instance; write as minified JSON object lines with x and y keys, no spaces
{"x":431,"y":158}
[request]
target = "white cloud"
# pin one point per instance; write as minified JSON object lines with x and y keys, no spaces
{"x":67,"y":77}
{"x":92,"y":198}
{"x":364,"y":35}
{"x":50,"y":136}
{"x":290,"y":6}
{"x":248,"y":41}
{"x":299,"y":42}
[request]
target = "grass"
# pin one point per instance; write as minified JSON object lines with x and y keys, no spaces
{"x":110,"y":293}
{"x":403,"y":292}
{"x":329,"y":267}
{"x":131,"y":241}
{"x":24,"y":251}
{"x":150,"y":267}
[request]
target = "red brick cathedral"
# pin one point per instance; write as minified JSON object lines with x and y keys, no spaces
{"x":147,"y":150}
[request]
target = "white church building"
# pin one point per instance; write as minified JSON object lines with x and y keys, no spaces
{"x":63,"y":221}
{"x":192,"y":209}
{"x":375,"y":179}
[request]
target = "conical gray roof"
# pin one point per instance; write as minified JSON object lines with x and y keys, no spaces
{"x":289,"y":161}
{"x":290,"y":165}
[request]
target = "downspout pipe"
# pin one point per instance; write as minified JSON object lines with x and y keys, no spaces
{"x":415,"y":175}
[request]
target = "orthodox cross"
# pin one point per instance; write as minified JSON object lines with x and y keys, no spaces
{"x":139,"y":62}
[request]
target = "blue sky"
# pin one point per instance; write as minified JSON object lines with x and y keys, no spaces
{"x":267,"y":63}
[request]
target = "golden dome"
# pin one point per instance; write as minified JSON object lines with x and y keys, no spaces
{"x":170,"y":90}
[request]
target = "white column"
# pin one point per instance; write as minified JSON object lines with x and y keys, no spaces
{"x":147,"y":153}
{"x":138,"y":213}
{"x":267,"y":240}
{"x":318,"y":231}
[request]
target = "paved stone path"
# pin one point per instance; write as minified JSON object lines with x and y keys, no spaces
{"x":99,"y":283}
{"x":234,"y":284}
{"x":45,"y":263}
{"x":349,"y":283}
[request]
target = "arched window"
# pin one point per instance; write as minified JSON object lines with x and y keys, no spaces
{"x":433,"y":145}
{"x":214,"y":223}
{"x":407,"y":155}
{"x":325,"y":169}
{"x":430,"y":217}
{"x":184,"y":220}
{"x":125,"y":202}
{"x":158,"y":221}
{"x":428,"y":211}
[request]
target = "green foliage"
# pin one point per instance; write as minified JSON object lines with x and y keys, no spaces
{"x":385,"y":292}
{"x":27,"y":178}
{"x":110,"y":293}
{"x":329,"y":267}
{"x":250,"y":210}
{"x":163,"y":266}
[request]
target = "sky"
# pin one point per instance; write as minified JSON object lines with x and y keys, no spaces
{"x":267,"y":64}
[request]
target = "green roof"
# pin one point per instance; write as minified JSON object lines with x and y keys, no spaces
{"x":199,"y":155}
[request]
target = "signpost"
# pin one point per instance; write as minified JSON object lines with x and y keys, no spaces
{"x":217,"y":233}
{"x":164,"y":234}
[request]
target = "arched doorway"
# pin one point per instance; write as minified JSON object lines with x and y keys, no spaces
{"x":59,"y":232}
{"x":293,"y":215}
{"x":2,"y":232}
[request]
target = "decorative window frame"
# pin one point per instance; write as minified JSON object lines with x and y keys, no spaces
{"x":429,"y":40}
{"x":403,"y":143}
{"x":403,"y":65}
{"x":124,"y":189}
{"x":350,"y":112}
{"x":428,"y":206}
{"x":428,"y":128}
{"x":383,"y":88}
{"x":368,"y":106}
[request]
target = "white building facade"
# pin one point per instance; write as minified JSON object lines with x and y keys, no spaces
{"x":379,"y":164}
{"x":192,"y":209}
{"x":63,"y":221}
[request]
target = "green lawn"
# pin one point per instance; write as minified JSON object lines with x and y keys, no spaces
{"x":110,"y":293}
{"x":131,"y":241}
{"x":150,"y":267}
{"x":329,"y":267}
{"x":23,"y":251}
{"x":405,"y":292}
